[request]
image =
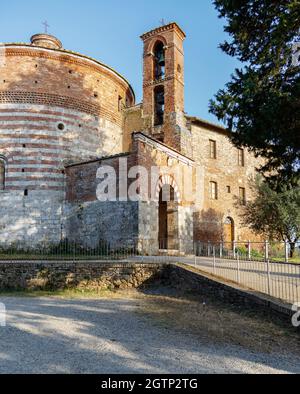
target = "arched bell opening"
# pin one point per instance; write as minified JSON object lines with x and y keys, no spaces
{"x":159,"y":105}
{"x":159,"y":61}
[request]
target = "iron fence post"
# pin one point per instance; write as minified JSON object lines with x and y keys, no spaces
{"x":266,"y":250}
{"x":214,"y":260}
{"x":268,"y":266}
{"x":234,"y":249}
{"x":249,"y":250}
{"x":208,"y":249}
{"x":269,"y":277}
{"x":221,"y":250}
{"x":238,"y":268}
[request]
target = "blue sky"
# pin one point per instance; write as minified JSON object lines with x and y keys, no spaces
{"x":109,"y":31}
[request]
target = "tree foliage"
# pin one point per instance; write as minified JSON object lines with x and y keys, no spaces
{"x":261,"y":103}
{"x":275,"y":214}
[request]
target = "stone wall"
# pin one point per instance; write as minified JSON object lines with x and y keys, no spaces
{"x":189,"y":281}
{"x":69,"y":275}
{"x":56,"y":107}
{"x":114,"y":223}
{"x":31,"y":221}
{"x":210,"y":215}
{"x":125,"y":218}
{"x":97,"y":276}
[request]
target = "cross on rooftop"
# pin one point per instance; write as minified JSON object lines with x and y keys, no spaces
{"x":46,"y":26}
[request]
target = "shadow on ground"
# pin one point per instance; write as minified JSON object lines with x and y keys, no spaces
{"x":157,"y":331}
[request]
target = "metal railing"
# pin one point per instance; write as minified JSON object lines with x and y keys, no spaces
{"x":249,"y":250}
{"x":70,"y":251}
{"x":263,"y":267}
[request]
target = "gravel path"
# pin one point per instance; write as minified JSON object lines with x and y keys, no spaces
{"x":51,"y":335}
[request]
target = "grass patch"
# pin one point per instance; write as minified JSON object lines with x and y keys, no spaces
{"x":295,"y":260}
{"x":65,"y":293}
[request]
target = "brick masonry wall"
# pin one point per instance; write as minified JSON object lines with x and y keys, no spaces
{"x":225,"y":171}
{"x":83,"y":83}
{"x":125,"y":220}
{"x":56,"y":107}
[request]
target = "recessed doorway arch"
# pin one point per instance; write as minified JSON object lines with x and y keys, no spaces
{"x":168,"y":223}
{"x":229,"y":232}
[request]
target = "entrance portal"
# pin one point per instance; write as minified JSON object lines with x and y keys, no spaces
{"x":229,"y":233}
{"x":168,"y":219}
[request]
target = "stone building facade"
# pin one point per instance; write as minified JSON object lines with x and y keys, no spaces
{"x":65,"y":117}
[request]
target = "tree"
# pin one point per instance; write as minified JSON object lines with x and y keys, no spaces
{"x":261,"y":104}
{"x":274,"y":214}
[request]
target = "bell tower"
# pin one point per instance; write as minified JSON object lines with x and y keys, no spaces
{"x":163,"y":86}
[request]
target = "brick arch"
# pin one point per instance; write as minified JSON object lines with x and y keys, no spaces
{"x":167,"y":180}
{"x":155,"y":40}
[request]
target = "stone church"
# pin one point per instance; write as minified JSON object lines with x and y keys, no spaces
{"x":68,"y":121}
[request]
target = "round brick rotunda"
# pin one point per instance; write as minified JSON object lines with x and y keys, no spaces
{"x":56,"y":107}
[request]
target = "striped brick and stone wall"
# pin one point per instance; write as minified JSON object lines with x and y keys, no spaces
{"x":56,"y":108}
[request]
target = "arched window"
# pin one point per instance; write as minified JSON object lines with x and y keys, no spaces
{"x":159,"y":105}
{"x":2,"y":173}
{"x":159,"y":60}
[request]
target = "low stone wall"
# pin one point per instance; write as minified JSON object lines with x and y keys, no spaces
{"x":87,"y":275}
{"x":121,"y":275}
{"x":188,"y":280}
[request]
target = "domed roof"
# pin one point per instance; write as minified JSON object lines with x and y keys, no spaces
{"x":46,"y":41}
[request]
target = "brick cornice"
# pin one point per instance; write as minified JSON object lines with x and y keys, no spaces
{"x":162,"y":29}
{"x":58,"y":101}
{"x":139,"y":136}
{"x":67,"y":57}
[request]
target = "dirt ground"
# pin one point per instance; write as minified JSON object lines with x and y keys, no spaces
{"x":154,"y":331}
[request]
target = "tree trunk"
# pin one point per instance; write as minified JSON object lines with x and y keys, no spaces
{"x":292,"y":249}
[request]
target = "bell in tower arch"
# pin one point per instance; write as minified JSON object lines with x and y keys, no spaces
{"x":159,"y":59}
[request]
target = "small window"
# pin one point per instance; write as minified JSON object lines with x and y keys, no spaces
{"x":61,"y":126}
{"x":159,"y":102}
{"x":242,"y":195}
{"x":228,"y":188}
{"x":213,"y":190}
{"x":2,"y":174}
{"x":120,"y":103}
{"x":241,"y":157}
{"x":26,"y":192}
{"x":212,"y":149}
